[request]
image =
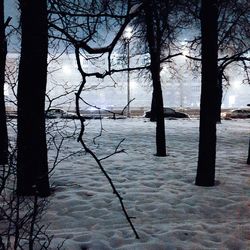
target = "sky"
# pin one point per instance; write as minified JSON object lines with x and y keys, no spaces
{"x":10,"y":8}
{"x":236,"y":96}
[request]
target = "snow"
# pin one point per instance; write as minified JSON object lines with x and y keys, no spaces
{"x":170,"y":211}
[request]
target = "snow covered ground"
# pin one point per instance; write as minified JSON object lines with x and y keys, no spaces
{"x":170,"y":211}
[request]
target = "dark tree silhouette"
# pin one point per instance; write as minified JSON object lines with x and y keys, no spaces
{"x":223,"y":64}
{"x":233,"y":41}
{"x":207,"y":141}
{"x":154,"y":39}
{"x":84,"y":42}
{"x":3,"y":125}
{"x":158,"y":33}
{"x":32,"y":164}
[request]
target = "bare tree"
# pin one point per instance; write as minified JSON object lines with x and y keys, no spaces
{"x":154,"y":38}
{"x":232,"y":49}
{"x":157,"y":26}
{"x":233,"y":42}
{"x":88,"y":18}
{"x":236,"y":60}
{"x":32,"y":164}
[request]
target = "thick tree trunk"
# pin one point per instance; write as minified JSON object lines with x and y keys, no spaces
{"x":153,"y":108}
{"x":3,"y":124}
{"x":207,"y":141}
{"x":157,"y":112}
{"x":32,"y":164}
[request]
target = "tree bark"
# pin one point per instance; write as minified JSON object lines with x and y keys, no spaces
{"x":3,"y":124}
{"x":207,"y":141}
{"x":32,"y":163}
{"x":154,"y":43}
{"x":157,"y":109}
{"x":219,"y":97}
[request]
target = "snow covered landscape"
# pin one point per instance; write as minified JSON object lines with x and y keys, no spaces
{"x":168,"y":210}
{"x":81,"y":165}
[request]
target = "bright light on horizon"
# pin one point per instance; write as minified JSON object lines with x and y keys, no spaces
{"x":185,"y":52}
{"x":128,"y":32}
{"x":236,"y":84}
{"x":231,"y":100}
{"x":6,"y":90}
{"x":184,"y":48}
{"x":133,"y":84}
{"x":66,"y":69}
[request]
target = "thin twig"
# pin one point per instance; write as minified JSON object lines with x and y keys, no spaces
{"x":88,"y":150}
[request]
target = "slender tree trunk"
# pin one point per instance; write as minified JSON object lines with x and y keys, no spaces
{"x":32,"y":163}
{"x":3,"y":124}
{"x":219,"y":98}
{"x":157,"y":112}
{"x":207,"y":141}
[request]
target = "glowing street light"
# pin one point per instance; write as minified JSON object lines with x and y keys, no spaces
{"x":185,"y":50}
{"x":66,"y":69}
{"x":128,"y":33}
{"x":127,"y":36}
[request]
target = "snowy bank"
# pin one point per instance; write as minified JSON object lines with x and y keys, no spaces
{"x":170,"y":211}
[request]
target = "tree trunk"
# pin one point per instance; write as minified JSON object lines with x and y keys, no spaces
{"x":32,"y":163}
{"x":153,"y":108}
{"x":219,"y":98}
{"x":207,"y":141}
{"x":157,"y":111}
{"x":3,"y":125}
